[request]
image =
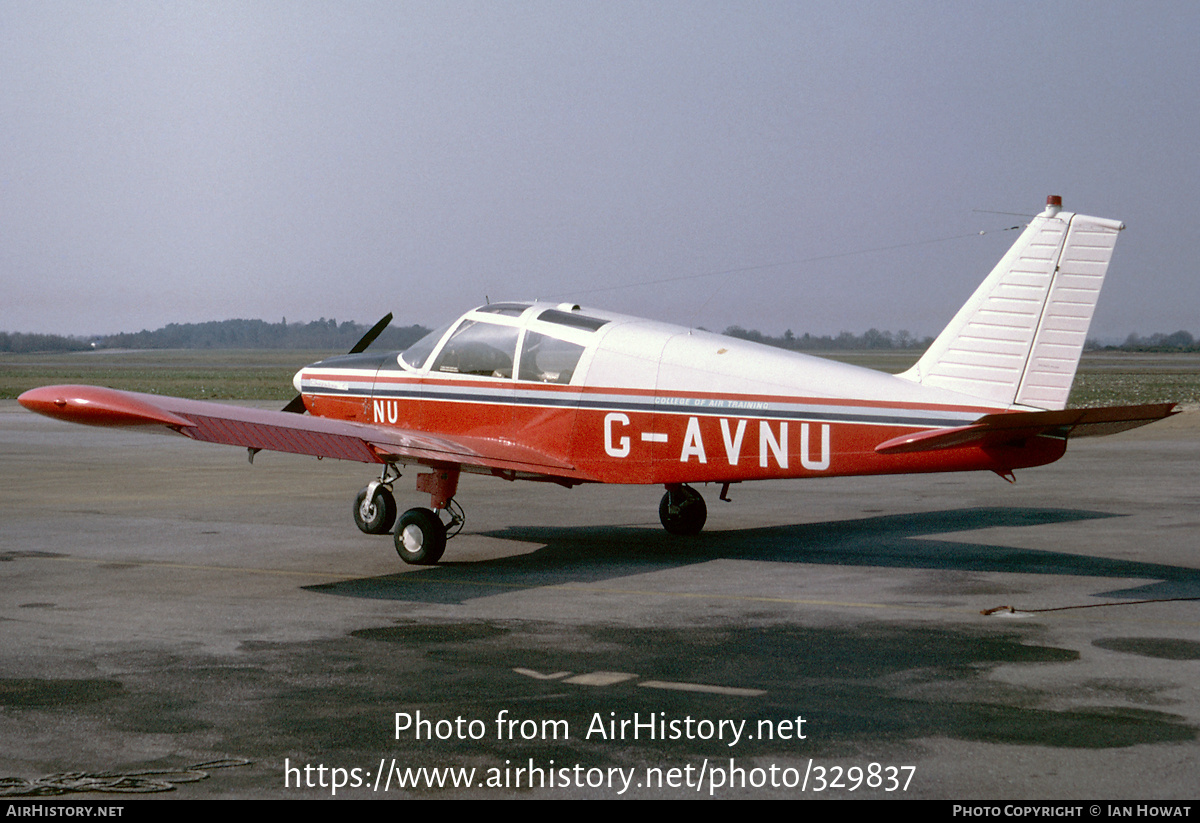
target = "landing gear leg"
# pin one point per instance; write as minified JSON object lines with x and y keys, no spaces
{"x":375,"y":506}
{"x":682,"y":510}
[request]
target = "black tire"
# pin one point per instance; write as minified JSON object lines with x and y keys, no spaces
{"x":683,"y":512}
{"x":381,"y":514}
{"x":420,"y":537}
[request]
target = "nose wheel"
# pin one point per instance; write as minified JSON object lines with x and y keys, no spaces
{"x":682,"y":511}
{"x":375,"y":506}
{"x":375,"y":509}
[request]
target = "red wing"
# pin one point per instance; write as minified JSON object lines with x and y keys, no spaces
{"x":1006,"y":427}
{"x":284,"y":432}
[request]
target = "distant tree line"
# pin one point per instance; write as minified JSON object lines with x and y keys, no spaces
{"x":329,"y":335}
{"x":1179,"y":341}
{"x":259,"y":334}
{"x":870,"y":339}
{"x":320,"y":334}
{"x":25,"y":343}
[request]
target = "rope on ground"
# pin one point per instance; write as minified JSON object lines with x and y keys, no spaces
{"x":156,"y":780}
{"x":1012,"y":610}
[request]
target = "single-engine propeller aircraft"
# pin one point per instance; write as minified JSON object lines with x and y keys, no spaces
{"x":560,"y":393}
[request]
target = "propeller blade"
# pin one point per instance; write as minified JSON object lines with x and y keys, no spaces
{"x":369,"y":337}
{"x":296,"y":404}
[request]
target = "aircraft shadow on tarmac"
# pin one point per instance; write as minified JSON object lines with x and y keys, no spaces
{"x":590,"y":554}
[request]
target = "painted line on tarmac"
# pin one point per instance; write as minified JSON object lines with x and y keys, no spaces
{"x":606,"y":678}
{"x":600,"y":678}
{"x":703,"y":688}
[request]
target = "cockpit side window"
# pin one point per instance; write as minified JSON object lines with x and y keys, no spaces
{"x":547,"y":359}
{"x":479,"y":349}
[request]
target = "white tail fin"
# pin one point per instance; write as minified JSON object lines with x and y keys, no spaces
{"x":1018,"y":339}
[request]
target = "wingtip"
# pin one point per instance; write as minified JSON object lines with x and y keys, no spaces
{"x":98,"y":406}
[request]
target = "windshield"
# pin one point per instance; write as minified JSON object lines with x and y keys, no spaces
{"x":416,"y":354}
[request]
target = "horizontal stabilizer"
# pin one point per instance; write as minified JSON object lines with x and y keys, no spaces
{"x":1007,"y":427}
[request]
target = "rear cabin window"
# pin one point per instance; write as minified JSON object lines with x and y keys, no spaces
{"x":576,"y":321}
{"x":479,"y":349}
{"x":548,"y":359}
{"x":510,"y":309}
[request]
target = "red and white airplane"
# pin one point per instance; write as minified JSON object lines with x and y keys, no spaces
{"x":559,"y":393}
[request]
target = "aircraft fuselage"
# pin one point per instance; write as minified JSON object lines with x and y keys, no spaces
{"x":652,"y":403}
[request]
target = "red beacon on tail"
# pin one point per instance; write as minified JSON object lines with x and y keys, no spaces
{"x":572,"y":395}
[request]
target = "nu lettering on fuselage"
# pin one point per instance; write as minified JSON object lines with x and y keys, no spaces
{"x":386,"y":411}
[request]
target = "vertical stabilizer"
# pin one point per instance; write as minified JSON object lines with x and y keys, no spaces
{"x":1018,"y":339}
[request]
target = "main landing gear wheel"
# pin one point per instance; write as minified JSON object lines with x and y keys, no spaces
{"x":420,"y":537}
{"x":375,"y":516}
{"x":682,"y":511}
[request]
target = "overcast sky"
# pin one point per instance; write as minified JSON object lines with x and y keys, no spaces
{"x":182,"y":162}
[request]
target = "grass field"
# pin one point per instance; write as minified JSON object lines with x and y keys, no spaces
{"x":208,"y":374}
{"x":1104,"y":379}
